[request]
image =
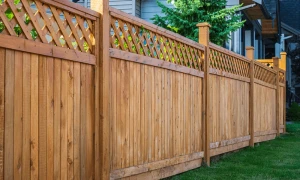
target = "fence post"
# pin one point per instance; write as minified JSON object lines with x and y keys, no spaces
{"x":204,"y":40}
{"x":276,"y":67}
{"x":102,"y":91}
{"x":282,"y":61}
{"x":250,"y":55}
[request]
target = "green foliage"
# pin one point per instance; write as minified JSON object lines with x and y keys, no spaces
{"x":18,"y":30}
{"x":2,"y":27}
{"x":34,"y":34}
{"x":9,"y":14}
{"x":293,"y":113}
{"x":16,"y":2}
{"x":188,"y":13}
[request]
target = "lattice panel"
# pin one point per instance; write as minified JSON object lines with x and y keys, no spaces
{"x":137,"y":39}
{"x":281,"y":77}
{"x":263,"y":73}
{"x":34,"y":20}
{"x":224,"y":60}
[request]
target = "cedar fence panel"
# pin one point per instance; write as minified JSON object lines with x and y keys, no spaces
{"x":88,"y":95}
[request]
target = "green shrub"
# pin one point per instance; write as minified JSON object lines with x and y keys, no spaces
{"x":293,"y":113}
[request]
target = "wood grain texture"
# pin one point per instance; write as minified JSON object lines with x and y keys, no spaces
{"x":142,"y":132}
{"x":47,"y":134}
{"x":2,"y":110}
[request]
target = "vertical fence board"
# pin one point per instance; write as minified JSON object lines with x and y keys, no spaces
{"x":64,"y":118}
{"x":83,"y":125}
{"x":9,"y":114}
{"x":76,"y":126}
{"x":42,"y":117}
{"x":50,"y":116}
{"x":34,"y":121}
{"x":70,"y":121}
{"x":57,"y":117}
{"x":2,"y":110}
{"x":18,"y":115}
{"x":26,"y":115}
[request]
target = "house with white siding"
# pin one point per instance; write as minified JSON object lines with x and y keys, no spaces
{"x":144,"y":9}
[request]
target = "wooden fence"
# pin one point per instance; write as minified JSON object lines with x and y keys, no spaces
{"x":104,"y":95}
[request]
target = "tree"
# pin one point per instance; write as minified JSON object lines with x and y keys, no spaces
{"x":188,"y":13}
{"x":294,"y":54}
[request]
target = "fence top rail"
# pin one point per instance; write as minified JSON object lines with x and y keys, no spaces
{"x":140,"y":22}
{"x":265,"y":67}
{"x":73,"y":8}
{"x":226,"y":51}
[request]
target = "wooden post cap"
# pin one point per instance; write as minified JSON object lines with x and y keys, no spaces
{"x":204,"y":24}
{"x":249,"y":48}
{"x":283,"y":53}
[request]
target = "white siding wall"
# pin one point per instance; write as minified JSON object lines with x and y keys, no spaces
{"x":138,"y":8}
{"x":124,"y":5}
{"x":149,"y":8}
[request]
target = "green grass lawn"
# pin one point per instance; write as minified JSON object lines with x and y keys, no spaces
{"x":276,"y":159}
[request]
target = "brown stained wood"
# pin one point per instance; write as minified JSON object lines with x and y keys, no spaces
{"x":229,"y":142}
{"x":57,"y":111}
{"x":264,"y":138}
{"x":77,"y":122}
{"x":121,"y":173}
{"x":61,"y":26}
{"x":73,"y":29}
{"x":131,"y":114}
{"x":18,"y":116}
{"x":104,"y":87}
{"x":20,"y":20}
{"x":169,"y":171}
{"x":26,"y":116}
{"x":46,"y":27}
{"x":83,"y":124}
{"x":70,"y":120}
{"x":9,"y":114}
{"x":50,"y":116}
{"x":263,"y":133}
{"x":90,"y":169}
{"x":74,"y":8}
{"x":24,"y":45}
{"x":139,"y":22}
{"x":65,"y":65}
{"x":2,"y":110}
{"x":34,"y":120}
{"x":229,"y":148}
{"x":228,"y":75}
{"x":114,"y":144}
{"x":96,"y":50}
{"x":6,"y":22}
{"x":34,"y":20}
{"x":42,"y":123}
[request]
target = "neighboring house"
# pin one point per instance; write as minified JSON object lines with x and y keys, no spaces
{"x":145,"y":9}
{"x":290,"y":25}
{"x":260,"y":30}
